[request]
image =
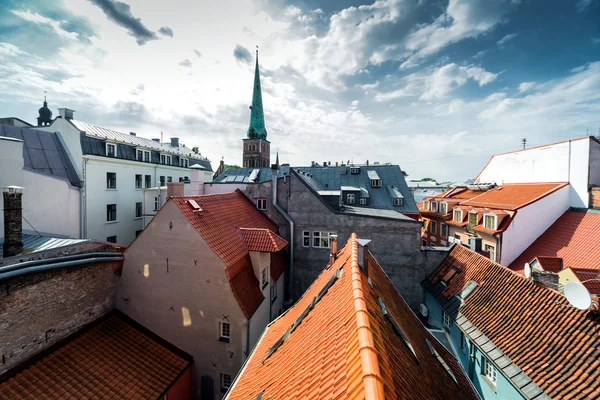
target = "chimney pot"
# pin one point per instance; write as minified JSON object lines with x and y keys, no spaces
{"x":333,"y":248}
{"x":336,"y":163}
{"x":174,"y":142}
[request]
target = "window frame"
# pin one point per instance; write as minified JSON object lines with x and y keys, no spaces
{"x":139,"y":155}
{"x":489,"y":372}
{"x":109,"y":213}
{"x":138,"y":184}
{"x":443,"y":205}
{"x":442,"y":226}
{"x":306,"y":236}
{"x":147,"y":182}
{"x":169,"y":179}
{"x":140,"y":209}
{"x":224,"y":385}
{"x":362,"y":201}
{"x":224,"y":331}
{"x":263,"y":278}
{"x":114,"y":146}
{"x":273,"y":292}
{"x":446,"y":320}
{"x":350,"y":198}
{"x":463,"y":342}
{"x":476,"y":218}
{"x":320,"y":237}
{"x":169,"y":160}
{"x":426,"y":205}
{"x":376,"y":183}
{"x":109,"y":239}
{"x":398,"y":201}
{"x":494,"y":218}
{"x":108,"y":181}
{"x":433,"y":227}
{"x":156,"y":203}
{"x":490,"y":248}
{"x":454,"y":213}
{"x":261,"y":204}
{"x":163,"y":180}
{"x":434,"y":206}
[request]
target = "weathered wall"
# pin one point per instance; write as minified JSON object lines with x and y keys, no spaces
{"x":184,"y":305}
{"x":38,"y":310}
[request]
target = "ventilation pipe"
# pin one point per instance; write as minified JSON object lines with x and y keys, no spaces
{"x":333,"y":248}
{"x":13,"y":220}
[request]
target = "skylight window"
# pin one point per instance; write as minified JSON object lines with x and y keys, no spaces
{"x":469,"y":287}
{"x":396,"y":326}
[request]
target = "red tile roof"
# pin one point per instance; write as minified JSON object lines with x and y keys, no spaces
{"x":264,"y":240}
{"x":221,"y":219}
{"x":554,"y":345}
{"x":573,"y":237}
{"x":111,"y":360}
{"x":552,"y":264}
{"x":343,"y":347}
{"x":583,"y":275}
{"x":512,"y":196}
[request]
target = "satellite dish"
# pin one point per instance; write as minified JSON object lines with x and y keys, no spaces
{"x":527,"y":270}
{"x":578,"y":295}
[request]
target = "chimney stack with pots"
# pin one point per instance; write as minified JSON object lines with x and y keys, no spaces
{"x":13,"y":217}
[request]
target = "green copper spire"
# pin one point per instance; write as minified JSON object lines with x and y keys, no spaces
{"x":257,"y":119}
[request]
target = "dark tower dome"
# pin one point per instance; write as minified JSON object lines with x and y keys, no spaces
{"x":45,"y":115}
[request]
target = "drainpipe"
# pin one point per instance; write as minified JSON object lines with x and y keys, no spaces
{"x":290,"y":298}
{"x":83,"y":202}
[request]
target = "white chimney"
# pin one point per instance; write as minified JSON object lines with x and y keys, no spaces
{"x":196,"y":180}
{"x":66,"y":113}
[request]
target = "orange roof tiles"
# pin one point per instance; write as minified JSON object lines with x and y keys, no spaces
{"x":552,"y":264}
{"x":112,"y":360}
{"x":264,"y":240}
{"x":345,"y":348}
{"x":573,"y":237}
{"x":556,"y":346}
{"x":512,"y":196}
{"x":591,"y":275}
{"x":231,"y":225}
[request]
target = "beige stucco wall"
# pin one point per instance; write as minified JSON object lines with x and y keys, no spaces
{"x":185,"y":304}
{"x":565,"y":276}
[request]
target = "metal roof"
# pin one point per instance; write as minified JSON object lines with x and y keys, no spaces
{"x":107,"y":134}
{"x":377,"y":213}
{"x":36,"y":243}
{"x":350,"y":189}
{"x":243,"y":175}
{"x":333,"y":178}
{"x":394,"y":192}
{"x":43,"y":152}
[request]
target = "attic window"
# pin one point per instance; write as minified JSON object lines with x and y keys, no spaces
{"x":449,"y":275}
{"x":355,"y":171}
{"x":469,"y":287}
{"x":195,"y":205}
{"x":489,"y":221}
{"x":111,"y":150}
{"x":441,"y":360}
{"x":398,"y":201}
{"x":396,"y":326}
{"x":375,"y":183}
{"x":457,"y":215}
{"x":443,"y":207}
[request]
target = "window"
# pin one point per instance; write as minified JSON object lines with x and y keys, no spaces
{"x":322,"y":239}
{"x":375,"y":182}
{"x":156,"y":203}
{"x":146,"y":156}
{"x":434,"y":206}
{"x":111,"y":180}
{"x":490,"y":222}
{"x":443,"y":208}
{"x":306,"y":238}
{"x":433,"y":227}
{"x":111,"y":212}
{"x":350,"y":198}
{"x":457,"y":215}
{"x":225,"y":382}
{"x":148,"y":181}
{"x":489,"y":371}
{"x":463,"y":342}
{"x":397,"y":201}
{"x":261,"y":204}
{"x":111,"y":150}
{"x":138,"y":210}
{"x":162,"y":181}
{"x":492,"y":250}
{"x":140,"y":155}
{"x":169,"y":179}
{"x":163,"y":159}
{"x":424,"y":243}
{"x":185,"y":163}
{"x":224,"y":331}
{"x":111,"y":239}
{"x":446,"y":320}
{"x":273,"y":291}
{"x":355,"y":171}
{"x":168,"y":160}
{"x":138,"y":181}
{"x":472,"y":218}
{"x":363,"y":201}
{"x":143,"y":155}
{"x":427,"y":205}
{"x":264,"y":280}
{"x":444,"y":230}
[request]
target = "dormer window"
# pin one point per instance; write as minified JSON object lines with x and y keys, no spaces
{"x":427,"y":205}
{"x":397,"y":201}
{"x":457,"y":215}
{"x":489,"y":222}
{"x":375,"y":183}
{"x":111,"y":150}
{"x":375,"y":179}
{"x":354,"y":170}
{"x":473,"y":218}
{"x":443,"y":208}
{"x":165,"y":159}
{"x":350,"y":198}
{"x":143,"y":155}
{"x":434,"y":206}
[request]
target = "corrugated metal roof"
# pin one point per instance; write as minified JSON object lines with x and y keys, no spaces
{"x":242,"y":175}
{"x":104,"y":133}
{"x":35,"y":243}
{"x":43,"y":153}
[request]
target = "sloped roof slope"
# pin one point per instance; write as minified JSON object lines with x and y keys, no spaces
{"x":262,"y":239}
{"x":112,"y":360}
{"x":572,"y":237}
{"x":512,"y":196}
{"x":337,"y":344}
{"x":546,"y":348}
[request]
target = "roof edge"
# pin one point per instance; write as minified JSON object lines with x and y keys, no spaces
{"x":371,"y":375}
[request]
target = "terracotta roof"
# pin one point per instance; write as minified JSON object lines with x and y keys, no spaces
{"x":512,"y":196}
{"x":552,"y":264}
{"x":220,"y":218}
{"x":466,"y":194}
{"x":522,"y":326}
{"x":260,"y":239}
{"x":343,"y":347}
{"x":573,"y":237}
{"x":111,"y":360}
{"x":586,"y":274}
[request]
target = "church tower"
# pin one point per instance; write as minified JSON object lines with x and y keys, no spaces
{"x":45,"y":115}
{"x":257,"y":149}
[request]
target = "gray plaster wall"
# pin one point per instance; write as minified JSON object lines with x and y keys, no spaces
{"x":395,"y":243}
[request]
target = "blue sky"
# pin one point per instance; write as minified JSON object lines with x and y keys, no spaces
{"x":435,"y":86}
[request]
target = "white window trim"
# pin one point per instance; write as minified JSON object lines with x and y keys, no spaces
{"x":469,"y":217}
{"x":362,"y":201}
{"x":487,"y":248}
{"x":261,"y":201}
{"x":350,"y":196}
{"x":489,"y":372}
{"x":434,"y":206}
{"x":321,"y":235}
{"x":375,"y":183}
{"x":441,"y":230}
{"x":495,"y":221}
{"x":156,"y":203}
{"x":446,"y":320}
{"x":427,"y":205}
{"x":398,"y":201}
{"x":116,"y":149}
{"x":112,"y":188}
{"x":141,"y":212}
{"x":264,"y":279}
{"x":445,"y":205}
{"x":222,"y":334}
{"x":144,"y":152}
{"x":306,"y":235}
{"x":112,"y":221}
{"x":454,"y":215}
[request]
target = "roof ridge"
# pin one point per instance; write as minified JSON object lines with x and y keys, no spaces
{"x":371,"y":375}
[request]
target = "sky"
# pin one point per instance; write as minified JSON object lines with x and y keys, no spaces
{"x":436,"y":87}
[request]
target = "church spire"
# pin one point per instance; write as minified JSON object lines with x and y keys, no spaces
{"x":257,"y":119}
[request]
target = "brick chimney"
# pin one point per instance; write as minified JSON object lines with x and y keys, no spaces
{"x":546,"y":278}
{"x":595,"y":197}
{"x":13,"y":217}
{"x":175,"y":189}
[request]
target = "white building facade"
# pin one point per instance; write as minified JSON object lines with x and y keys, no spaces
{"x":575,"y":161}
{"x":115,"y":168}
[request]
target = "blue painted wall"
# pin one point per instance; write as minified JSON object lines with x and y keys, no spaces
{"x":504,"y":390}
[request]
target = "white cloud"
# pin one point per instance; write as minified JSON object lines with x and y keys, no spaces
{"x":526,"y":86}
{"x":506,"y":38}
{"x":39,"y":19}
{"x":10,"y":50}
{"x":583,"y":4}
